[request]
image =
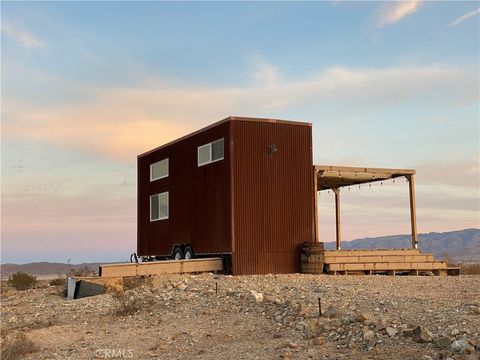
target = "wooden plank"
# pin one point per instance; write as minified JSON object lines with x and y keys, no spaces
{"x":427,"y":266}
{"x":373,"y":252}
{"x":162,"y":267}
{"x":364,"y":169}
{"x":373,"y":259}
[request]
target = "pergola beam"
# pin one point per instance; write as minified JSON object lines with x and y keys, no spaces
{"x":335,"y":177}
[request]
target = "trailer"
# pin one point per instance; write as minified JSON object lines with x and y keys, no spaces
{"x":240,"y":189}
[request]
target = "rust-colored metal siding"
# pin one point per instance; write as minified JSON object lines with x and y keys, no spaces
{"x":272,"y":195}
{"x":199,"y":206}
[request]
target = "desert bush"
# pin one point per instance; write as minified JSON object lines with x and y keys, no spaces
{"x":17,"y":347}
{"x":470,"y":269}
{"x":135,"y":282}
{"x":22,"y":281}
{"x":131,"y":302}
{"x":58,"y":281}
{"x":85,"y":271}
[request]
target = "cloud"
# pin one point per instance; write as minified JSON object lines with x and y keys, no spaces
{"x":394,"y":11}
{"x":464,"y":17}
{"x":23,"y":37}
{"x":124,"y":121}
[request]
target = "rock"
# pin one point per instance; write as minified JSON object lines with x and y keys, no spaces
{"x":363,"y":316}
{"x":407,"y":332}
{"x":459,"y":345}
{"x":331,"y":311}
{"x":444,"y":342}
{"x":422,"y":335}
{"x":293,"y":345}
{"x":256,"y":296}
{"x":426,"y":357}
{"x":391,"y":331}
{"x":368,"y":335}
{"x":348,"y":319}
{"x":381,"y":324}
{"x":319,"y":340}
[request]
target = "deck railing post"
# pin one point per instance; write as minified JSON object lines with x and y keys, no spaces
{"x":413,"y":213}
{"x":337,"y":218}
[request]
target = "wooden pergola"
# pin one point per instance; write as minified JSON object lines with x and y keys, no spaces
{"x":335,"y":177}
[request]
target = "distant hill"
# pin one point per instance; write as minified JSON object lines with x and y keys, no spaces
{"x":461,"y":245}
{"x":45,"y":268}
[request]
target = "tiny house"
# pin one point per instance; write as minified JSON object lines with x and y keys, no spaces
{"x":242,"y":188}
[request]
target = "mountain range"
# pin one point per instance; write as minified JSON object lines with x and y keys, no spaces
{"x":457,"y":246}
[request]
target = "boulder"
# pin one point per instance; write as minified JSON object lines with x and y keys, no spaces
{"x":368,"y":335}
{"x":422,"y":335}
{"x":391,"y":331}
{"x":459,"y":345}
{"x":331,"y":311}
{"x":381,"y":324}
{"x":444,"y":342}
{"x":256,"y":296}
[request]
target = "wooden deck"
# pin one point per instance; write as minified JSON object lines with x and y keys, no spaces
{"x":392,"y":262}
{"x":161,"y":267}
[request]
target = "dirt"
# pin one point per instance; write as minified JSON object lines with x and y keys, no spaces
{"x":210,"y":316}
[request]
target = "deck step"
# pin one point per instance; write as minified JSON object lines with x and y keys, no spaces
{"x":340,"y":259}
{"x":428,"y":265}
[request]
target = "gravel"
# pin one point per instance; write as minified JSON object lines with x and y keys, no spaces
{"x":210,"y":316}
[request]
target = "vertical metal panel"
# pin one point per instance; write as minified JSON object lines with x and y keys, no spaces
{"x":199,"y":212}
{"x":272,"y":195}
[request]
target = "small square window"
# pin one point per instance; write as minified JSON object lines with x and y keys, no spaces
{"x":159,"y":170}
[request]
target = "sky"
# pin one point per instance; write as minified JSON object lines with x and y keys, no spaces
{"x":87,"y":86}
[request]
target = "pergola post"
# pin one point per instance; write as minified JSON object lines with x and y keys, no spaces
{"x":315,"y":196}
{"x":413,"y":213}
{"x":337,"y":217}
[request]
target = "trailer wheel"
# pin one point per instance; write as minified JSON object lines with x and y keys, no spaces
{"x":177,"y":253}
{"x":188,"y":253}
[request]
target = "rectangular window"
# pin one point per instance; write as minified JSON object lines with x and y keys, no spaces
{"x":159,"y":170}
{"x":211,"y":152}
{"x":159,"y":206}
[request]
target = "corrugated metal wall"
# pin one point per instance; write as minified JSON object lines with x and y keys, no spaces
{"x":198,"y":197}
{"x":272,"y":195}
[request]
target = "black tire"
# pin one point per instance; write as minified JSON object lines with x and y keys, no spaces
{"x":177,"y":253}
{"x":188,"y":253}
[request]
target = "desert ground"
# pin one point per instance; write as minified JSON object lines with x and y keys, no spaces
{"x":209,"y":316}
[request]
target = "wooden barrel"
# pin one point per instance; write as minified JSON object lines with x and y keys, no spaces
{"x":312,"y":258}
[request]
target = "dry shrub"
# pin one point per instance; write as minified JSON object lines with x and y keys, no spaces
{"x":17,"y":346}
{"x":131,"y":302}
{"x":58,"y":281}
{"x":135,"y":282}
{"x":81,"y":272}
{"x":470,"y":269}
{"x":22,"y":281}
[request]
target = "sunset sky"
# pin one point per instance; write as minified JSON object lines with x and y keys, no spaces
{"x":88,"y":86}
